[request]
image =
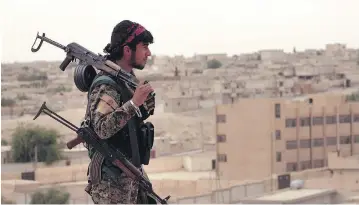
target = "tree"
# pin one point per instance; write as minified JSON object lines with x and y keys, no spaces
{"x":7,"y":102}
{"x":214,"y":63}
{"x":26,"y":138}
{"x":4,"y":142}
{"x":52,"y":196}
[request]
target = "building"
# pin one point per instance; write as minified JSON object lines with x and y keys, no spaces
{"x":301,"y":196}
{"x":259,"y":137}
{"x":180,"y":103}
{"x":6,"y":156}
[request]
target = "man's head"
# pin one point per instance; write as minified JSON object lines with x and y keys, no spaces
{"x":129,"y":43}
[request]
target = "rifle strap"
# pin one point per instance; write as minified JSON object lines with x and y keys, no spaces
{"x":135,"y":158}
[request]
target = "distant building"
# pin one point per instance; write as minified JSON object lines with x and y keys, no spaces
{"x":260,"y":137}
{"x":302,"y":196}
{"x":6,"y":154}
{"x":181,"y":103}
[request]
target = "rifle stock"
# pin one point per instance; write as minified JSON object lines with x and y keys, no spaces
{"x":115,"y":156}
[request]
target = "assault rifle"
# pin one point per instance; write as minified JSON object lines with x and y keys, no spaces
{"x":116,"y":157}
{"x":86,"y":57}
{"x":85,"y":73}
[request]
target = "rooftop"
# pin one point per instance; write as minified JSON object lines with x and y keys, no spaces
{"x":5,"y":148}
{"x":292,"y":196}
{"x":182,"y":175}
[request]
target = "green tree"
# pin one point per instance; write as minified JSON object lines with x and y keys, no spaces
{"x":27,"y":137}
{"x":7,"y":102}
{"x":214,"y":63}
{"x":353,"y":97}
{"x":52,"y":196}
{"x":4,"y":142}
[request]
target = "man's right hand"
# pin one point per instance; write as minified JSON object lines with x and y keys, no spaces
{"x":141,"y":93}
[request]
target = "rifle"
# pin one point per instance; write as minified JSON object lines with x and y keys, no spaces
{"x":86,"y":57}
{"x":116,"y":157}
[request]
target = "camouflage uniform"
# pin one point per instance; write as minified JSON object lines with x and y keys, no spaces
{"x":108,"y":116}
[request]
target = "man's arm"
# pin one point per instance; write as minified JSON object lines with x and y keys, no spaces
{"x":107,"y":116}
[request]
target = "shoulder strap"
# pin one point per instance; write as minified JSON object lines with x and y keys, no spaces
{"x":102,"y":79}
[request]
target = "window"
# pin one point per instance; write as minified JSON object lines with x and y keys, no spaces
{"x":290,"y":122}
{"x":291,"y":167}
{"x":318,"y":120}
{"x":345,"y":139}
{"x":331,"y":119}
{"x":356,"y":139}
{"x":318,"y":163}
{"x":356,"y":117}
{"x":221,"y":118}
{"x":221,"y":138}
{"x":291,"y":144}
{"x":277,"y":110}
{"x":304,"y":143}
{"x":331,"y":141}
{"x":318,"y":142}
{"x":305,"y":165}
{"x":304,"y":121}
{"x":278,"y":156}
{"x":222,"y":157}
{"x":277,"y":135}
{"x":344,"y":118}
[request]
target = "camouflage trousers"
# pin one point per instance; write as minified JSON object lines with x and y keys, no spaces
{"x":119,"y":190}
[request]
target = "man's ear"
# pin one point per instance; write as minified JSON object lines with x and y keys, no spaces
{"x":126,"y":49}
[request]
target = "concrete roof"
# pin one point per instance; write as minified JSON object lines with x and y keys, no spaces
{"x":18,"y":182}
{"x":5,"y":148}
{"x":291,"y":196}
{"x":182,"y":175}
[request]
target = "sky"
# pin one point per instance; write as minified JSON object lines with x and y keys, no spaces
{"x":179,"y":27}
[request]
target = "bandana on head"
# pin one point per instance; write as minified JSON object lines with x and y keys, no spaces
{"x":134,"y":31}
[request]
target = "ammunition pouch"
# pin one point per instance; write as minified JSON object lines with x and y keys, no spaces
{"x":146,"y":142}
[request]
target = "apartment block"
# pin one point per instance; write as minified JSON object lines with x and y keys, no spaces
{"x":259,"y":137}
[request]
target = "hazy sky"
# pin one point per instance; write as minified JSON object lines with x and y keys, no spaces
{"x":179,"y":27}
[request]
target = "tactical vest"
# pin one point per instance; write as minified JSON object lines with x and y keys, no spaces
{"x":134,"y":140}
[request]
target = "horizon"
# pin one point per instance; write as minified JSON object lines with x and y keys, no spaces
{"x":187,"y":28}
{"x":257,"y":51}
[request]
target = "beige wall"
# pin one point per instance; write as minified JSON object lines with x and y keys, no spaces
{"x":242,"y":147}
{"x":181,"y":104}
{"x":199,"y":162}
{"x":224,"y":191}
{"x":250,"y":126}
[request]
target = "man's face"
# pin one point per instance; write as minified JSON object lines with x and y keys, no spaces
{"x":140,"y":55}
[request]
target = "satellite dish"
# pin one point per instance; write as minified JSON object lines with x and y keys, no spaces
{"x":297,"y":184}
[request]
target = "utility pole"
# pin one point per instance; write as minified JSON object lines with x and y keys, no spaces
{"x":36,"y":159}
{"x":202,"y":137}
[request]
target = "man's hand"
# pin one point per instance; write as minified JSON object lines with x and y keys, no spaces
{"x":141,"y":93}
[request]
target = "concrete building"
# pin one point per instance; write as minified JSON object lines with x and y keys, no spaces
{"x":259,"y":137}
{"x":301,"y":196}
{"x":180,"y":103}
{"x":6,"y":156}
